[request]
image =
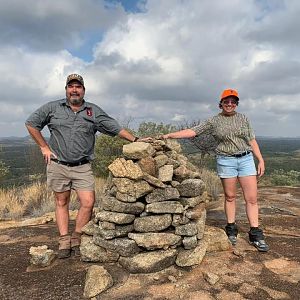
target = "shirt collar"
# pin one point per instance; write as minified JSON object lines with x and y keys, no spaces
{"x":66,"y":103}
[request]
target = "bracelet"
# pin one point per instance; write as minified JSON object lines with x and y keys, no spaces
{"x":135,"y":139}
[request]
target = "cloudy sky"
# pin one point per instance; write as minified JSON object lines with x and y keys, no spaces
{"x":153,"y":60}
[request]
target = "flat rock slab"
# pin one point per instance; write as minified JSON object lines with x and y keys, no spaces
{"x":189,"y":229}
{"x":168,"y":193}
{"x":152,"y":241}
{"x":133,"y":188}
{"x":188,"y":258}
{"x":114,"y":217}
{"x":152,"y":223}
{"x":123,"y":246}
{"x":153,"y":181}
{"x":113,"y":204}
{"x":165,"y":207}
{"x":287,"y":269}
{"x":153,"y":261}
{"x":193,"y":201}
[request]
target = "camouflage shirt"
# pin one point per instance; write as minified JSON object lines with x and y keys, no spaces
{"x":232,"y":133}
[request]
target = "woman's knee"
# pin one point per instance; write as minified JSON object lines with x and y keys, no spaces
{"x":230,"y":198}
{"x":251,"y":200}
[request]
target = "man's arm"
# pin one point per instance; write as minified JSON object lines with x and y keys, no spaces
{"x":39,"y":139}
{"x":124,"y":134}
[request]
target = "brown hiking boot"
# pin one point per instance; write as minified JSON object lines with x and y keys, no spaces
{"x":64,"y":246}
{"x":75,"y":243}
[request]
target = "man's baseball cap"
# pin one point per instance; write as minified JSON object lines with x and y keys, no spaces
{"x":229,"y":92}
{"x":76,"y":77}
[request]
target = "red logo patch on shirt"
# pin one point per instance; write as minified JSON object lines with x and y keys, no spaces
{"x":89,"y":112}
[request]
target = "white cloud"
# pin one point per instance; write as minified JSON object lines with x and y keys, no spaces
{"x":169,"y":63}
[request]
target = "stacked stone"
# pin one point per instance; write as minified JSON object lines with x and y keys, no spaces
{"x":153,"y":212}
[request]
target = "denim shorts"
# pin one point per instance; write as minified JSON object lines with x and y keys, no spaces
{"x":230,"y":166}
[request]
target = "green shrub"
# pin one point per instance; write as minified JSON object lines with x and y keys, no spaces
{"x":286,"y":178}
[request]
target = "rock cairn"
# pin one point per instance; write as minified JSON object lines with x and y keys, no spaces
{"x":153,"y":212}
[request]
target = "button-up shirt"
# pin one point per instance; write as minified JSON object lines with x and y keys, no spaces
{"x":72,"y":134}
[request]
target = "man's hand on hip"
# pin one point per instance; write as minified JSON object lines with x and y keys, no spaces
{"x":47,"y":154}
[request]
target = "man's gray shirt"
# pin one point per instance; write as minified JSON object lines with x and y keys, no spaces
{"x":73,"y":134}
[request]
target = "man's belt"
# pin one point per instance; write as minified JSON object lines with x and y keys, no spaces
{"x":241,"y":154}
{"x":71,"y":164}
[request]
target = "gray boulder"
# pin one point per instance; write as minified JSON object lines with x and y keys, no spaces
{"x":165,"y":207}
{"x":149,"y":262}
{"x":125,"y":168}
{"x":133,"y":188}
{"x":90,"y":252}
{"x":157,"y":240}
{"x":97,"y":281}
{"x":189,"y":229}
{"x":190,"y":242}
{"x":188,"y":258}
{"x":112,"y":204}
{"x":157,"y":195}
{"x":152,"y":223}
{"x":123,"y":246}
{"x":138,"y":150}
{"x":191,"y":188}
{"x":41,"y":256}
{"x":115,"y":217}
{"x":165,"y":173}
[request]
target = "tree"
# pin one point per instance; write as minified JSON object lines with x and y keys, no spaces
{"x":107,"y":149}
{"x":4,"y":170}
{"x":154,"y":129}
{"x":204,"y":144}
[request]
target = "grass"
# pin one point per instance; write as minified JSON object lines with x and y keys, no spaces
{"x":35,"y":200}
{"x":212,"y":182}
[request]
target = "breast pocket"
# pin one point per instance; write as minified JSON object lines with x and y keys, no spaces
{"x":85,"y":125}
{"x":58,"y":119}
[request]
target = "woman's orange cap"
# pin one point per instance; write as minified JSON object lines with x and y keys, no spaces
{"x":229,"y":92}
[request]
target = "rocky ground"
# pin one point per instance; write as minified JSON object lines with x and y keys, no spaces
{"x":241,"y":273}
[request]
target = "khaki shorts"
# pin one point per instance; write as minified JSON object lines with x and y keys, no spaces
{"x":62,"y":178}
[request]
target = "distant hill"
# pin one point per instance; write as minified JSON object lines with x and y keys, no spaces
{"x":24,"y":158}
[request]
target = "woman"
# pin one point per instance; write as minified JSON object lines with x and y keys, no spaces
{"x":236,"y":146}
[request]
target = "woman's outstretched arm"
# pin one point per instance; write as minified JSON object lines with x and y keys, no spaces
{"x":182,"y":134}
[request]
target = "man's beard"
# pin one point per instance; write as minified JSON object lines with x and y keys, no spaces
{"x":75,"y":101}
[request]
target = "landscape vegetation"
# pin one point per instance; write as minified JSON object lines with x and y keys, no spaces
{"x":23,"y":190}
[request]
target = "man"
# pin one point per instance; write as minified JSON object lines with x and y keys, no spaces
{"x":73,"y":123}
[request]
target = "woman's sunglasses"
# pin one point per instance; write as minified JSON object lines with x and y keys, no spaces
{"x":232,"y":101}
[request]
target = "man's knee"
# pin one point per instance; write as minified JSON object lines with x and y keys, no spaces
{"x":62,"y":202}
{"x":87,"y":203}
